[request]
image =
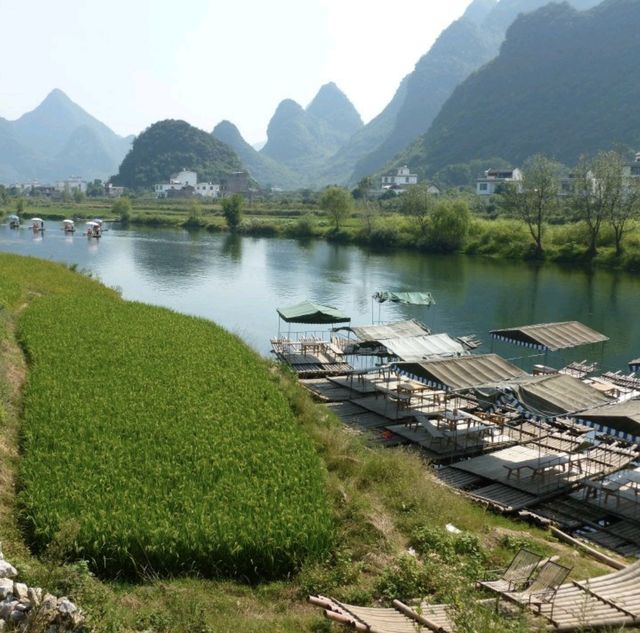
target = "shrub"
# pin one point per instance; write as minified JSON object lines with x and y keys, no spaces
{"x":122,"y":208}
{"x":232,"y":210}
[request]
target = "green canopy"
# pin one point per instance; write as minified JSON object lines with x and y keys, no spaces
{"x":309,"y":312}
{"x":411,"y":298}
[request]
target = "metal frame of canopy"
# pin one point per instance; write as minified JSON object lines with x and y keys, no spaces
{"x":406,"y":298}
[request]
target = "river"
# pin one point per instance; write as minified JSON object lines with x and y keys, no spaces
{"x":239,"y":281}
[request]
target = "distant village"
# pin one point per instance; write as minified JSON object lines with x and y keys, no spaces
{"x":185,"y":184}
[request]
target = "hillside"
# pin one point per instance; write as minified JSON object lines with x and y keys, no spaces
{"x":167,"y":147}
{"x":59,"y":138}
{"x":462,"y":48}
{"x":263,"y":169}
{"x":564,"y":84}
{"x":304,"y":139}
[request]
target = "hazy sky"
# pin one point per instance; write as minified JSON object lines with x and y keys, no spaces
{"x":133,"y":62}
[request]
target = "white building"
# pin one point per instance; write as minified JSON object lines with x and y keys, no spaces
{"x":488,"y":184}
{"x":631,"y":170}
{"x":187,"y":179}
{"x":207,"y":190}
{"x":71,"y":184}
{"x":399,"y":179}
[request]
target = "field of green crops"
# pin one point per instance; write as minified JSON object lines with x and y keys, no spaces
{"x":161,"y":443}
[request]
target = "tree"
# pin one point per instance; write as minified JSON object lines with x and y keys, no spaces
{"x":78,"y":196}
{"x":337,"y":202}
{"x":448,"y":226}
{"x":232,"y":210}
{"x":417,"y":203}
{"x":122,"y":208}
{"x":536,"y":197}
{"x":624,"y":207}
{"x":597,"y":193}
{"x":95,"y":189}
{"x":20,"y":205}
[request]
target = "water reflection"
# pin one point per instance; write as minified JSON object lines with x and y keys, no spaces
{"x":232,"y":247}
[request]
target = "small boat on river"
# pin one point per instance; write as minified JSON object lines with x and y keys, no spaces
{"x":68,"y":226}
{"x":14,"y":222}
{"x":37,"y":225}
{"x":94,"y":229}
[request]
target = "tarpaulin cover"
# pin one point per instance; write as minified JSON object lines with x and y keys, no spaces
{"x":409,"y":298}
{"x":551,"y":336}
{"x":309,"y":312}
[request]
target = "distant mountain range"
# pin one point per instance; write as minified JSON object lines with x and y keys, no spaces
{"x":56,"y":140}
{"x":565,"y":84}
{"x":506,"y":80}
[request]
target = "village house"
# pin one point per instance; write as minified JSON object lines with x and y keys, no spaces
{"x":236,"y":182}
{"x":185,"y":184}
{"x":399,"y":179}
{"x":631,"y":170}
{"x":72,"y":184}
{"x":494,"y":179}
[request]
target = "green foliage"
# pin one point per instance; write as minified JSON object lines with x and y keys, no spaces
{"x":165,"y":440}
{"x":78,"y":195}
{"x":122,"y":209}
{"x":232,"y":210}
{"x":20,"y":204}
{"x":337,"y":202}
{"x":418,"y":203}
{"x":448,"y":226}
{"x":409,"y":577}
{"x":549,"y":90}
{"x":167,"y":147}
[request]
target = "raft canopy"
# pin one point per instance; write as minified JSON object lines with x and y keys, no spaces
{"x":550,"y":336}
{"x":310,"y":312}
{"x":374,"y":334}
{"x":407,"y":298}
{"x":621,"y":417}
{"x":464,"y":372}
{"x":634,"y":365}
{"x":419,"y":348}
{"x":557,"y":394}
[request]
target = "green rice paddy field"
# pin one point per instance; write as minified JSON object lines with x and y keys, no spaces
{"x":166,"y":441}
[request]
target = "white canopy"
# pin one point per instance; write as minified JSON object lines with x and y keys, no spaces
{"x":423,"y":347}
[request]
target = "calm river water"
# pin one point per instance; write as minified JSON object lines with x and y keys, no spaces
{"x":239,"y":281}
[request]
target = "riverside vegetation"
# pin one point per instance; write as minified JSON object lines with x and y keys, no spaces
{"x":601,"y":228}
{"x":102,"y":446}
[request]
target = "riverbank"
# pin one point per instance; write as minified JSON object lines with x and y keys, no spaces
{"x":382,"y":502}
{"x":499,"y":238}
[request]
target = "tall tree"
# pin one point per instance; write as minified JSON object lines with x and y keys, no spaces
{"x":597,"y":193}
{"x":535,"y":198}
{"x":418,"y":203}
{"x":337,"y":202}
{"x":624,"y":207}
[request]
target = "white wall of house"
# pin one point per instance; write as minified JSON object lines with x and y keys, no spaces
{"x":494,"y":178}
{"x":401,"y":178}
{"x":186,"y":177}
{"x":208,"y":190}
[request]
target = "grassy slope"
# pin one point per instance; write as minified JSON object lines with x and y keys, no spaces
{"x":380,"y":501}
